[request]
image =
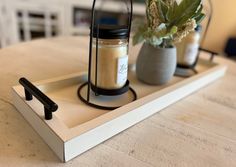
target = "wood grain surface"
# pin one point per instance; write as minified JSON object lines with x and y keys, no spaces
{"x":197,"y":131}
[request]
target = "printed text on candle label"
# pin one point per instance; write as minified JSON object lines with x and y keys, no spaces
{"x":122,"y":70}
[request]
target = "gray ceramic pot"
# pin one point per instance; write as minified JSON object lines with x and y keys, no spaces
{"x":156,"y":66}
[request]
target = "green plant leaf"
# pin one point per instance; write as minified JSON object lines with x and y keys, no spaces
{"x":199,"y":10}
{"x":200,"y":18}
{"x":169,"y":34}
{"x":187,"y":7}
{"x":154,"y":41}
{"x":139,"y":35}
{"x":137,"y":38}
{"x":184,"y":11}
{"x":173,"y":30}
{"x":172,"y":11}
{"x":162,"y":9}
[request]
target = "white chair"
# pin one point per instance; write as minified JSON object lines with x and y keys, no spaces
{"x":2,"y":26}
{"x":28,"y":19}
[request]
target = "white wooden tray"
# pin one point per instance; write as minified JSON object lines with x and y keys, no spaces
{"x":75,"y":127}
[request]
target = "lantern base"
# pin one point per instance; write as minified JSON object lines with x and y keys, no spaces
{"x":185,"y":71}
{"x":121,"y":93}
{"x":110,"y":92}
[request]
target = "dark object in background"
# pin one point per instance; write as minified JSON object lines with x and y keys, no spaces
{"x":230,"y":48}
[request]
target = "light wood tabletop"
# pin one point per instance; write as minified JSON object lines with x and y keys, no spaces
{"x":197,"y":131}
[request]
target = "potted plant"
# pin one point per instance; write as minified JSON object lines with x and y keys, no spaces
{"x":167,"y":22}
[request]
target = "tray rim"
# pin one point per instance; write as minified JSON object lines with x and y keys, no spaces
{"x":89,"y":125}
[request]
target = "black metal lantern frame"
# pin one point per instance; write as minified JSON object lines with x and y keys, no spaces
{"x":192,"y":68}
{"x":99,"y":91}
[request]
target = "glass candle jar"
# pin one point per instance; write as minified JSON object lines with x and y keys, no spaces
{"x":187,"y":50}
{"x":110,"y":57}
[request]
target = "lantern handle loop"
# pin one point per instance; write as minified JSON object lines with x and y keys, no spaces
{"x":130,"y":14}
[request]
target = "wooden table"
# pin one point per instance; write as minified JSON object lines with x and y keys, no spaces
{"x":197,"y":131}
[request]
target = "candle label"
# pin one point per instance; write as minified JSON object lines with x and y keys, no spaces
{"x":122,"y":70}
{"x":191,"y":53}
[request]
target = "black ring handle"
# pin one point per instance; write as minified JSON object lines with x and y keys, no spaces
{"x":99,"y":106}
{"x":110,"y":92}
{"x":31,"y":90}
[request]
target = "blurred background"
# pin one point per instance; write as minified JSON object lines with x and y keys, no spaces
{"x":25,"y":20}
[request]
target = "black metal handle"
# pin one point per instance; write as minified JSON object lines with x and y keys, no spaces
{"x":31,"y":90}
